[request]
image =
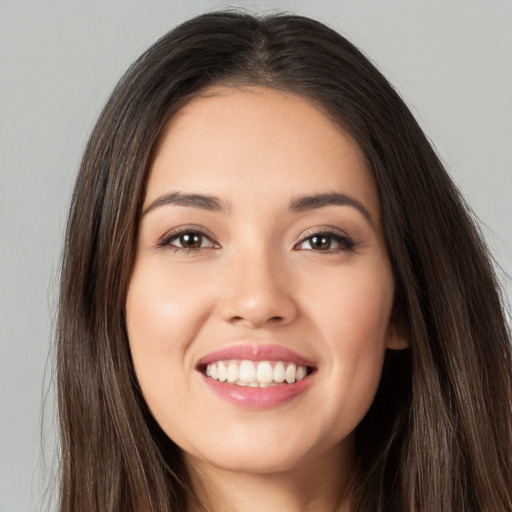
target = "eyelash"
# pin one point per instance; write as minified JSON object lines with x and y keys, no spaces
{"x":345,"y":242}
{"x":167,"y":239}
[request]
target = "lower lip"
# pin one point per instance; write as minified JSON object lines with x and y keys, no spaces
{"x":258,"y":398}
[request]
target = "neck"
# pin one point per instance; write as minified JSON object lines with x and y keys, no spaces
{"x":320,"y":485}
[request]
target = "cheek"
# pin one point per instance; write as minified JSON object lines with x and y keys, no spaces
{"x":352,"y":306}
{"x":353,"y":320}
{"x":162,"y":310}
{"x":162,"y":315}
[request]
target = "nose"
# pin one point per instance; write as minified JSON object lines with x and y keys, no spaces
{"x":257,"y":293}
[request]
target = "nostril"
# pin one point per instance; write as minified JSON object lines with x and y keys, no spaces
{"x":256,"y":310}
{"x":256,"y":322}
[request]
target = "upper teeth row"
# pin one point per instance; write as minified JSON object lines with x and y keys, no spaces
{"x":251,"y":373}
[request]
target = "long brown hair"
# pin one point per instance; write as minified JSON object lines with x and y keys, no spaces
{"x":438,"y":436}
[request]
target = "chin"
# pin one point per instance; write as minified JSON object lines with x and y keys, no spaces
{"x":261,"y":451}
{"x":254,"y":461}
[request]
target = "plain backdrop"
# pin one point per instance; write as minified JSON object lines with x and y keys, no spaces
{"x":450,"y":60}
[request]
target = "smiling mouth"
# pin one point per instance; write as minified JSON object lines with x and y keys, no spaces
{"x":262,"y":374}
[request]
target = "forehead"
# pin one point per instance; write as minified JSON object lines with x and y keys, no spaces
{"x":256,"y":142}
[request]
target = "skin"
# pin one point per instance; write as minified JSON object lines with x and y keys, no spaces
{"x":258,"y":278}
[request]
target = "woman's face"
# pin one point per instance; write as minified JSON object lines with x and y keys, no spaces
{"x":259,"y":307}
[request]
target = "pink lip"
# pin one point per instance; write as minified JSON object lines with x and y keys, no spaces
{"x":256,"y":398}
{"x":254,"y":352}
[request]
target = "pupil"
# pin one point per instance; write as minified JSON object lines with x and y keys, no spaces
{"x":321,"y":242}
{"x":191,"y":240}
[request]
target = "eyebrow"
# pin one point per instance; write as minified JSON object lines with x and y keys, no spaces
{"x":301,"y":204}
{"x":331,"y":199}
{"x":204,"y":202}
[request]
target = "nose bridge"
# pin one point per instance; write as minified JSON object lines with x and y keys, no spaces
{"x":257,"y":290}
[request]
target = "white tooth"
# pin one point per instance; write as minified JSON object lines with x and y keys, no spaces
{"x":232,"y":372}
{"x":253,"y":384}
{"x":264,"y":372}
{"x":290,"y":373}
{"x":279,"y":372}
{"x":264,"y":384}
{"x":223,"y":373}
{"x":208,"y":370}
{"x":214,"y":373}
{"x":240,"y":383}
{"x":247,"y":371}
{"x":300,"y":374}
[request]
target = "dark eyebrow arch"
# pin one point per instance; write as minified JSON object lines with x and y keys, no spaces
{"x":335,"y":198}
{"x":204,"y":202}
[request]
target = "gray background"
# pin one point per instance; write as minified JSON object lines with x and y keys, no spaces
{"x":451,"y":60}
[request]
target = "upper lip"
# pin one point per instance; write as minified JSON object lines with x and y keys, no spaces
{"x":255,"y":352}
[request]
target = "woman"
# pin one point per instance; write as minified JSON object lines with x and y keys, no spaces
{"x":272,"y":294}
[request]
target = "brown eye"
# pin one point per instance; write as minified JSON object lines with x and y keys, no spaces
{"x":320,"y":242}
{"x":187,"y":241}
{"x":326,"y":242}
{"x":190,"y":240}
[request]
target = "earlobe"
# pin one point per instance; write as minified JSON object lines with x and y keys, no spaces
{"x":397,"y":337}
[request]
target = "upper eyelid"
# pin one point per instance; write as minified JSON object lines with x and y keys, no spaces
{"x":335,"y":233}
{"x":324,"y":230}
{"x":191,"y":228}
{"x":176,"y":232}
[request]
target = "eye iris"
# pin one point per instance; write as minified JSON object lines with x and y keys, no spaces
{"x":320,"y":242}
{"x":191,"y":240}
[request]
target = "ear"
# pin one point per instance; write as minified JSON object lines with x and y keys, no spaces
{"x":398,"y":335}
